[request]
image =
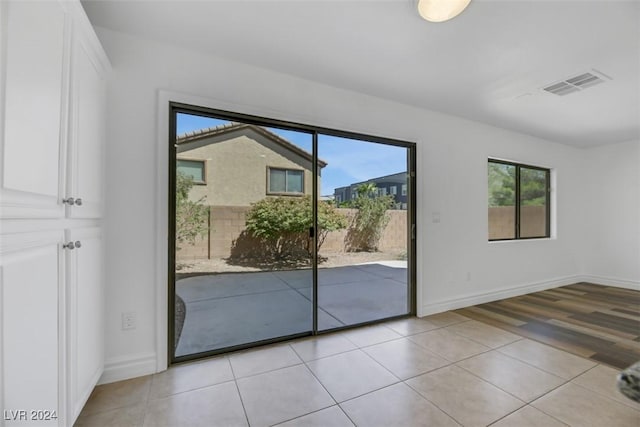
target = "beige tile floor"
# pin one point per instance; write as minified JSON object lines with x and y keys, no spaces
{"x":441,"y":370}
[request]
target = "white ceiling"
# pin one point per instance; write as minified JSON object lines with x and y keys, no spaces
{"x":488,"y":64}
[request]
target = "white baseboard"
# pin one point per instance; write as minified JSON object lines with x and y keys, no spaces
{"x":484,"y":297}
{"x":612,"y":281}
{"x":123,"y":368}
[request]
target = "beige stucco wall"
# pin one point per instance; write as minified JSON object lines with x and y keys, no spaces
{"x":502,"y":221}
{"x":236,"y":167}
{"x":228,"y":222}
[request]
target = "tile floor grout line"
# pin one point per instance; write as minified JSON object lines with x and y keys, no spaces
{"x":459,"y":360}
{"x":337,"y":405}
{"x":320,"y":382}
{"x":386,"y":342}
{"x":545,"y":370}
{"x":347,"y":415}
{"x":528,"y":364}
{"x":479,"y":342}
{"x":380,"y":364}
{"x":330,"y":355}
{"x":345,"y":333}
{"x":548,"y":392}
{"x":190,"y":390}
{"x":267,"y":348}
{"x":244,"y":409}
{"x":370,"y":392}
{"x":269,"y":371}
{"x":610,"y":399}
{"x":506,"y":415}
{"x":429,"y":371}
{"x":318,"y":337}
{"x":146,"y":402}
{"x":433,"y":403}
{"x":543,"y":411}
{"x":235,"y":382}
{"x":508,"y":392}
{"x":142,"y":401}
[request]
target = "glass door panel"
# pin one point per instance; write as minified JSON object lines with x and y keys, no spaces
{"x":363,"y":238}
{"x":243,"y":252}
{"x":533,"y":202}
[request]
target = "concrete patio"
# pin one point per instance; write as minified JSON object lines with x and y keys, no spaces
{"x":223,"y":310}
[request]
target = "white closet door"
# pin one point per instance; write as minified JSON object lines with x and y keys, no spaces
{"x":85,"y":302}
{"x":86,"y":169}
{"x":30,"y":282}
{"x":33,"y":130}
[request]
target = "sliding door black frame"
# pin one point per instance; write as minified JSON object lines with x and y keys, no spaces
{"x":174,"y":109}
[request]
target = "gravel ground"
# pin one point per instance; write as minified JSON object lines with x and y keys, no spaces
{"x":329,"y":260}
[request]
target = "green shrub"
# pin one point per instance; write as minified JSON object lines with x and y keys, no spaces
{"x":192,"y":217}
{"x":284,"y":223}
{"x":370,"y":220}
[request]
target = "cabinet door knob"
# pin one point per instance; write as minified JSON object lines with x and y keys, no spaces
{"x":69,"y":201}
{"x":78,"y":201}
{"x":72,"y":245}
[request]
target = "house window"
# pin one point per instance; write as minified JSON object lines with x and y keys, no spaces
{"x":393,"y":190}
{"x":285,"y":181}
{"x":193,"y":169}
{"x":382,"y":191}
{"x":518,"y":202}
{"x":404,"y":189}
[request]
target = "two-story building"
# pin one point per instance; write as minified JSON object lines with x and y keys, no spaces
{"x":237,"y":164}
{"x":394,"y":185}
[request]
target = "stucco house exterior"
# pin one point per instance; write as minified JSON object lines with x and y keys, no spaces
{"x":237,"y":164}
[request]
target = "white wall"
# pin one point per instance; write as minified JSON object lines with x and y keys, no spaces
{"x":456,"y":264}
{"x":613,"y":208}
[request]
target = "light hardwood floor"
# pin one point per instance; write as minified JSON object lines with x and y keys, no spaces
{"x":596,"y":322}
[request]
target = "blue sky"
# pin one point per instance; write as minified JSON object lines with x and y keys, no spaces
{"x":348,"y":160}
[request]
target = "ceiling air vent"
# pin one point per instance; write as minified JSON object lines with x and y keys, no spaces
{"x":574,"y":84}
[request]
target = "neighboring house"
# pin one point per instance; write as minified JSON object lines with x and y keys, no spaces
{"x":238,"y":164}
{"x":395,"y":185}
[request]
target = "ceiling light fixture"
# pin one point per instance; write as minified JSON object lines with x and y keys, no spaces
{"x":441,"y":10}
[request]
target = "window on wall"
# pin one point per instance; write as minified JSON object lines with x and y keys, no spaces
{"x":518,"y":202}
{"x":193,"y":169}
{"x":285,"y":181}
{"x":404,"y":189}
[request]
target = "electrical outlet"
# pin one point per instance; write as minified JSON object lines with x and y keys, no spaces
{"x":128,"y":321}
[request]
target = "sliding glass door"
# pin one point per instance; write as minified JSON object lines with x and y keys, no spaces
{"x":363,"y":274}
{"x":279,"y":230}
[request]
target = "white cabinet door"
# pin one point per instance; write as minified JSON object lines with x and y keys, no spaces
{"x":33,"y":116}
{"x":86,"y":154}
{"x":85,"y":308}
{"x":30,"y":360}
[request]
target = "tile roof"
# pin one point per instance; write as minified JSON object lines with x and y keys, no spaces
{"x":234,"y":126}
